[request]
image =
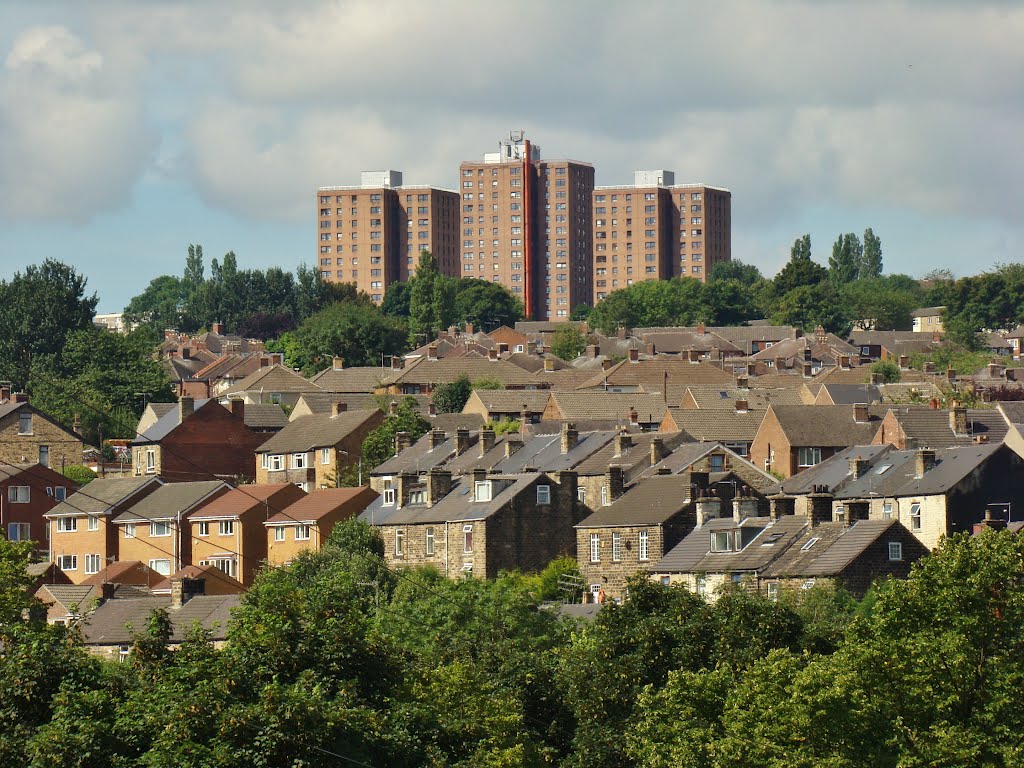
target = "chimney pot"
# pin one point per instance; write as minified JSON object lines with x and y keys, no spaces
{"x":958,"y":420}
{"x":437,"y":437}
{"x":439,"y":485}
{"x":237,"y":407}
{"x":402,"y":441}
{"x":741,"y":406}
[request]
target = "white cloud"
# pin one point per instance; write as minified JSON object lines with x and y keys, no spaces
{"x":72,"y":139}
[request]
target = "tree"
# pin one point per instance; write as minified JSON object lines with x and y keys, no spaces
{"x":396,"y":300}
{"x":847,"y":254}
{"x":265,"y":326}
{"x":431,"y":308}
{"x":746,"y":274}
{"x":568,"y":342}
{"x":889,"y":371}
{"x":356,"y":331}
{"x":485,"y":305}
{"x":810,"y":306}
{"x":880,"y":303}
{"x":159,"y":306}
{"x":871,"y":260}
{"x":38,"y":310}
{"x":380,"y":444}
{"x":452,"y":397}
{"x":800,"y":270}
{"x":580,"y":313}
{"x":801,"y":249}
{"x":727,"y":302}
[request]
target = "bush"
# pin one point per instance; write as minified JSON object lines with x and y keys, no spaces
{"x":890,"y":371}
{"x":79,"y":473}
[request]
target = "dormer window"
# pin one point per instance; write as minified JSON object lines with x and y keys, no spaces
{"x":721,"y":541}
{"x":388,"y":494}
{"x":482,"y":490}
{"x":418,"y":497}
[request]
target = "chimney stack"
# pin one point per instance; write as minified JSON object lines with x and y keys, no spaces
{"x":950,"y":374}
{"x":858,"y":466}
{"x":807,"y":354}
{"x":403,"y":440}
{"x":634,"y":417}
{"x":657,"y":450}
{"x":929,"y":367}
{"x":549,"y":364}
{"x":183,"y":589}
{"x":807,"y":370}
{"x":614,"y":482}
{"x":693,"y":355}
{"x":338,"y":408}
{"x":820,"y":335}
{"x":431,"y":410}
{"x":742,"y":382}
{"x":432,"y":352}
{"x":622,"y":442}
{"x":569,"y":437}
{"x":186,"y":405}
{"x":877,"y":378}
{"x":486,"y":441}
{"x":593,"y":350}
{"x":397,"y":362}
{"x":990,"y":521}
{"x":904,"y":362}
{"x":780,"y":363}
{"x":860,"y":413}
{"x":461,"y":441}
{"x":403,"y":483}
{"x":924,"y":460}
{"x":958,"y":420}
{"x":819,"y":505}
{"x":237,"y":408}
{"x":492,"y":354}
{"x":708,"y":508}
{"x":512,"y":444}
{"x":741,"y":406}
{"x":439,"y":484}
{"x":634,"y":355}
{"x":436,"y":438}
{"x":5,"y":393}
{"x":338,"y":363}
{"x":743,"y":506}
{"x":393,"y":408}
{"x":217,"y":328}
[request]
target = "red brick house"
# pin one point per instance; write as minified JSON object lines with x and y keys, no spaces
{"x":198,"y":440}
{"x":27,"y":493}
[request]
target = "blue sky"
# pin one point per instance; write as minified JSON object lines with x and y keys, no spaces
{"x":129,"y":130}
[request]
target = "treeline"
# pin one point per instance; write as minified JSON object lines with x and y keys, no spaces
{"x":72,"y":370}
{"x":850,"y":292}
{"x":336,"y":660}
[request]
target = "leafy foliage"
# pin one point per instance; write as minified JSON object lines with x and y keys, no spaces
{"x":889,"y":370}
{"x":568,"y":342}
{"x":452,"y":397}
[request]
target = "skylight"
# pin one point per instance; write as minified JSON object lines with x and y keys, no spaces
{"x":809,"y":544}
{"x":883,"y":469}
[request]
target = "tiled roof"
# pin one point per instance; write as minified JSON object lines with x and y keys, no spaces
{"x":693,"y":554}
{"x":826,"y":425}
{"x":361,"y":379}
{"x":758,"y":398}
{"x":317,"y":431}
{"x":511,"y":400}
{"x":850,"y":394}
{"x":172,"y":499}
{"x":266,"y":499}
{"x":100,"y":495}
{"x":125,"y":572}
{"x":113,"y":622}
{"x":637,"y":453}
{"x":210,"y":573}
{"x":718,"y":425}
{"x":653,"y":374}
{"x":927,"y":311}
{"x":274,"y":378}
{"x":609,"y":405}
{"x":929,"y":428}
{"x":652,"y":502}
{"x":322,"y":502}
{"x":424,"y":371}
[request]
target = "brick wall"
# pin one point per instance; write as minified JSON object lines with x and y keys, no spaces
{"x":41,"y":499}
{"x":15,"y":448}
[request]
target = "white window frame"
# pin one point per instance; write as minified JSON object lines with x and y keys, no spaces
{"x":887,"y":510}
{"x":325,"y":455}
{"x":915,"y":516}
{"x":802,"y":454}
{"x":159,"y":529}
{"x":616,"y":547}
{"x":302,"y":532}
{"x":581,"y":494}
{"x":226,"y":528}
{"x":265,"y":461}
{"x":895,"y":551}
{"x":482,"y":490}
{"x":400,"y":543}
{"x":150,"y":461}
{"x":467,"y":538}
{"x":299,"y":460}
{"x":644,"y":545}
{"x":67,"y":524}
{"x":544,"y":494}
{"x":428,"y":544}
{"x":279,"y":533}
{"x":67,"y":562}
{"x":156,"y":565}
{"x":772,"y":591}
{"x":129,"y":530}
{"x":595,"y":547}
{"x":203,"y":528}
{"x":717,"y":537}
{"x":220,"y":562}
{"x":93,"y":563}
{"x":276,"y":462}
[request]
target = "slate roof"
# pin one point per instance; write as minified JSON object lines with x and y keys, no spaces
{"x":639,"y":452}
{"x":511,"y":400}
{"x":322,"y":502}
{"x":652,"y":502}
{"x":850,"y":394}
{"x":930,"y":428}
{"x":359,"y":379}
{"x":167,"y":501}
{"x":109,"y":624}
{"x":769,"y":540}
{"x":891,"y":473}
{"x":458,"y":505}
{"x":844,"y":549}
{"x":100,"y":495}
{"x":207,"y":572}
{"x":651,"y":375}
{"x":255,"y":416}
{"x":927,"y":311}
{"x":317,"y":431}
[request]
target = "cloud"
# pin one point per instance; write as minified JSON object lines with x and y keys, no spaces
{"x":72,"y":138}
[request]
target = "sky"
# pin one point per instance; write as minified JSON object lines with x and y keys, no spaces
{"x":130,"y":129}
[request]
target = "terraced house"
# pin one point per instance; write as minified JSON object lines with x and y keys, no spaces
{"x":29,"y":436}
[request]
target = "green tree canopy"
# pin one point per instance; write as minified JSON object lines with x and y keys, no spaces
{"x":800,"y":270}
{"x":871,"y":259}
{"x":452,"y":397}
{"x":568,"y":342}
{"x":354,"y":330}
{"x":746,"y":274}
{"x":485,"y":305}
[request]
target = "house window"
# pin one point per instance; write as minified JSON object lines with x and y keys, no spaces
{"x":399,"y":543}
{"x":129,"y":531}
{"x":223,"y":564}
{"x":93,"y":523}
{"x":418,"y":497}
{"x":24,"y":423}
{"x":298,"y":461}
{"x":60,"y":492}
{"x":265,"y":460}
{"x":808,"y":457}
{"x":429,"y":545}
{"x":159,"y":529}
{"x":810,"y":543}
{"x":915,"y":516}
{"x":204,"y":529}
{"x":68,"y":562}
{"x":278,"y":533}
{"x":716,"y":462}
{"x":19,"y":494}
{"x":595,"y":548}
{"x":581,"y":494}
{"x":702,"y":585}
{"x":226,"y":527}
{"x":895,"y":551}
{"x":721,"y":541}
{"x":807,"y":584}
{"x":887,"y":510}
{"x":163,"y":567}
{"x":389,"y":495}
{"x":482,"y":490}
{"x":123,"y":652}
{"x":67,"y":524}
{"x":325,"y":455}
{"x":616,"y":547}
{"x":643,"y":544}
{"x":150,"y":461}
{"x":543,"y":494}
{"x":604,"y":495}
{"x":467,"y":538}
{"x":18,"y":532}
{"x":302,"y":533}
{"x":276,"y":462}
{"x":92,"y":563}
{"x":773,"y":591}
{"x":44,"y":455}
